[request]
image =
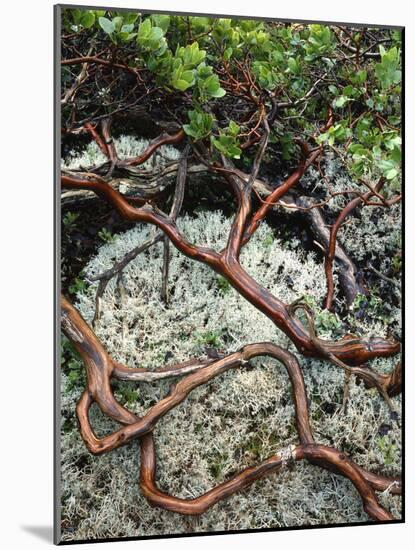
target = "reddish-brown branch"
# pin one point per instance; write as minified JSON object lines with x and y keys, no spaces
{"x":395,"y":380}
{"x":146,"y":213}
{"x":249,"y":142}
{"x":176,"y":205}
{"x":324,"y":456}
{"x":109,"y":142}
{"x":328,"y":264}
{"x":243,"y":192}
{"x":291,"y":181}
{"x":100,"y":368}
{"x":182,"y":389}
{"x":138,"y":374}
{"x":382,"y":382}
{"x":273,"y":197}
{"x":91,"y":129}
{"x":349,"y":350}
{"x":164,"y":139}
{"x":100,"y":61}
{"x":329,"y":456}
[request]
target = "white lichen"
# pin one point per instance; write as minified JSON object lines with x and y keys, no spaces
{"x":234,"y":421}
{"x":126,"y":147}
{"x":363,"y":233}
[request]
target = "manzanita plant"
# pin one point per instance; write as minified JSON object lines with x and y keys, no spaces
{"x":241,"y":99}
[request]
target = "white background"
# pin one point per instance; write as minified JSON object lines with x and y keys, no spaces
{"x":26,"y":253}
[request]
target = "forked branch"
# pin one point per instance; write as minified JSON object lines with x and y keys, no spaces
{"x":350,"y":350}
{"x":100,"y":368}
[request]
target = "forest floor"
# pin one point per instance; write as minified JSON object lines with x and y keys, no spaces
{"x":245,"y":415}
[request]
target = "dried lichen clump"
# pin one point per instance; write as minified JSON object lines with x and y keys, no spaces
{"x":232,"y":422}
{"x":363,"y":234}
{"x":127,"y":147}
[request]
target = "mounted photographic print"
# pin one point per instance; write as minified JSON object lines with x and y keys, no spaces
{"x":229,"y":243}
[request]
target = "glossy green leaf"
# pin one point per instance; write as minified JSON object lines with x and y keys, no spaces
{"x":106,"y":25}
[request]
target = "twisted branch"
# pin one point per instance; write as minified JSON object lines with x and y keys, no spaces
{"x":350,"y":350}
{"x":328,"y":264}
{"x":100,"y":368}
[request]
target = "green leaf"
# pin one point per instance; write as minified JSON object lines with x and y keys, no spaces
{"x":188,"y":76}
{"x":390,"y":174}
{"x":322,"y":138}
{"x":348,"y":90}
{"x":127,"y":28}
{"x":162,"y":21}
{"x":181,"y":85}
{"x":233,"y":128}
{"x":117,"y":22}
{"x":211,"y":83}
{"x":106,"y":25}
{"x":220,"y":92}
{"x":155,"y":34}
{"x":227,"y":146}
{"x":203,"y":71}
{"x":361,"y":76}
{"x":387,"y":71}
{"x":126,"y":36}
{"x":293,"y":65}
{"x":130,"y":18}
{"x":190,"y":55}
{"x":200,"y":124}
{"x":76,"y":16}
{"x":227,"y":143}
{"x":144,"y":29}
{"x":87,"y":19}
{"x":341,"y":101}
{"x":227,"y":54}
